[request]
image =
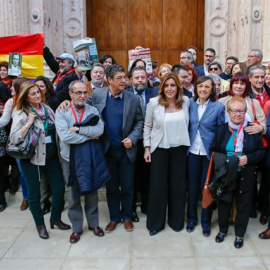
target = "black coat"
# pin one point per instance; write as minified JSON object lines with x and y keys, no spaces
{"x":253,"y":149}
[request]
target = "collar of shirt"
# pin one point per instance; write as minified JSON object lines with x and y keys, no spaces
{"x":206,"y":71}
{"x":95,"y":87}
{"x":140,"y":95}
{"x":119,"y":96}
{"x":258,"y":94}
{"x":203,"y":105}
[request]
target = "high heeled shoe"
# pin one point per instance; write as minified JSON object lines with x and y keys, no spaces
{"x":42,"y":232}
{"x":60,"y":224}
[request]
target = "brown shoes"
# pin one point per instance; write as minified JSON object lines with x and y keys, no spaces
{"x":128,"y":225}
{"x":24,"y":205}
{"x":75,"y":237}
{"x":265,"y":234}
{"x":111,"y":226}
{"x":97,"y":231}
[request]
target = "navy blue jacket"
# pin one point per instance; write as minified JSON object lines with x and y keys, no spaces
{"x":87,"y":174}
{"x":200,"y":71}
{"x":149,"y":92}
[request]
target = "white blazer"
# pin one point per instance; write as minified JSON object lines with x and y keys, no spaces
{"x":154,"y":122}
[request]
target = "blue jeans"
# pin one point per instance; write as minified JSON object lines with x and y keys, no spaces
{"x":197,"y":171}
{"x":22,"y":180}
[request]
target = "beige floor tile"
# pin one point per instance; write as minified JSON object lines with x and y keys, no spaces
{"x":225,"y":263}
{"x":208,"y":247}
{"x":31,"y":264}
{"x":114,"y":245}
{"x":29,"y":245}
{"x":96,"y":263}
{"x":166,"y":244}
{"x":262,"y":246}
{"x":161,"y":264}
{"x":9,"y":236}
{"x":266,"y":260}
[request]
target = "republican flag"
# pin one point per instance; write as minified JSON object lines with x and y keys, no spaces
{"x":31,"y":48}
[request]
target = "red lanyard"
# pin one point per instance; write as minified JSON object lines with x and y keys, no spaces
{"x":60,"y":76}
{"x":235,"y":139}
{"x":74,"y":114}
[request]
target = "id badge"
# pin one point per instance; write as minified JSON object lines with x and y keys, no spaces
{"x":48,"y":139}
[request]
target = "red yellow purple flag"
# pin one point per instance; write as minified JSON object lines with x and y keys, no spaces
{"x":31,"y":48}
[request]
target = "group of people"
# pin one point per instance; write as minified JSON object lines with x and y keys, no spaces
{"x":148,"y":139}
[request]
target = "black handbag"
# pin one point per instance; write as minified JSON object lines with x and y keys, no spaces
{"x":26,"y":148}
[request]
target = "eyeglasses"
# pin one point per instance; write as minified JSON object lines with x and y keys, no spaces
{"x":120,"y":78}
{"x":209,"y":56}
{"x":183,"y":57}
{"x":251,"y":56}
{"x":215,"y":68}
{"x":238,"y":111}
{"x":207,"y":87}
{"x":79,"y":93}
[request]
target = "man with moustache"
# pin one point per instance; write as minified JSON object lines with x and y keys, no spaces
{"x":142,"y":169}
{"x":186,"y":57}
{"x":123,"y":118}
{"x":70,"y":134}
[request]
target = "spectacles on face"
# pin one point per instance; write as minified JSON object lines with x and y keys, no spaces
{"x":183,"y":57}
{"x":120,"y":78}
{"x":214,"y":68}
{"x":80,"y":93}
{"x":251,"y":56}
{"x":207,"y":87}
{"x":237,"y":111}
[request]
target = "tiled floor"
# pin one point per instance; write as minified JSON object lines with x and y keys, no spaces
{"x":21,"y":248}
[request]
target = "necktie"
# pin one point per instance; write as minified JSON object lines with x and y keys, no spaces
{"x":143,"y":105}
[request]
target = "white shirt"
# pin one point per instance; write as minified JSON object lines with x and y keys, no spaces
{"x":175,"y":130}
{"x":197,"y":147}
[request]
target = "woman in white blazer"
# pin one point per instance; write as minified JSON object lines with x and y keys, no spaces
{"x":166,"y":141}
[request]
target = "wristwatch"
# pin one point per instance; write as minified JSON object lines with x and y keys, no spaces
{"x":77,"y":129}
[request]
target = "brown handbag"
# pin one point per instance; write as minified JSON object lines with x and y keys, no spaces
{"x":207,"y":198}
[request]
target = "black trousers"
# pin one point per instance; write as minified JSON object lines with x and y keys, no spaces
{"x":2,"y":182}
{"x":141,"y":178}
{"x":243,"y":204}
{"x":167,"y":188}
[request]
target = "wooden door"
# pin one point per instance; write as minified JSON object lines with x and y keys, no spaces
{"x":164,"y":26}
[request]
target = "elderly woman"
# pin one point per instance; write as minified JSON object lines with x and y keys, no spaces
{"x":166,"y":141}
{"x":164,"y":69}
{"x":30,"y":110}
{"x":244,"y":151}
{"x":205,"y":114}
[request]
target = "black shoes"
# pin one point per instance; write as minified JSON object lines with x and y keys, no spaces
{"x":3,"y":207}
{"x":42,"y":232}
{"x":220,"y":237}
{"x":238,"y":242}
{"x":45,"y":206}
{"x":206,"y":231}
{"x":60,"y":224}
{"x":190,"y":227}
{"x":134,"y":217}
{"x":153,"y":232}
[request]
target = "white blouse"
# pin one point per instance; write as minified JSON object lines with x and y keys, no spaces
{"x":175,"y":130}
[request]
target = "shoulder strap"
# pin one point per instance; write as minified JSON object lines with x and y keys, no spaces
{"x":209,"y":170}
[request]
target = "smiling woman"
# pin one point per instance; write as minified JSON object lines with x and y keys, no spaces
{"x":30,"y":111}
{"x":166,"y":141}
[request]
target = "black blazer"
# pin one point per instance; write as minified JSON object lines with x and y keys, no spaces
{"x":253,"y":149}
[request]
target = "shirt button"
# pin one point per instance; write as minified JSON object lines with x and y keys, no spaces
{"x":240,"y":191}
{"x":242,"y":179}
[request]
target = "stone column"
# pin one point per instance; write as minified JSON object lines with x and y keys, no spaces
{"x":235,"y":27}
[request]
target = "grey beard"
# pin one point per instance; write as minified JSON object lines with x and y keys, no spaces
{"x":65,"y":69}
{"x":97,"y":83}
{"x":139,"y":89}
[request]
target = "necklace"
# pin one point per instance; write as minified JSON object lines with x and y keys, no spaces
{"x":173,"y":110}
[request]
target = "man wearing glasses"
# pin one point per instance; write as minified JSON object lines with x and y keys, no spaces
{"x":70,"y":134}
{"x":209,"y":56}
{"x":123,"y":118}
{"x":255,"y":57}
{"x":186,"y":58}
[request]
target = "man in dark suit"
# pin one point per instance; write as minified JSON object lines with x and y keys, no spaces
{"x":230,"y":61}
{"x":122,"y":114}
{"x":142,"y":169}
{"x":182,"y":73}
{"x":209,"y":56}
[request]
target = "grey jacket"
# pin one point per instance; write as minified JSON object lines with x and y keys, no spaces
{"x":65,"y":119}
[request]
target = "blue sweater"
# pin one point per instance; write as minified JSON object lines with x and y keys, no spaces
{"x":113,"y":118}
